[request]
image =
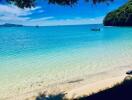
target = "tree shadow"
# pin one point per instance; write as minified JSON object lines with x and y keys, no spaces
{"x":43,"y":96}
{"x":121,"y":91}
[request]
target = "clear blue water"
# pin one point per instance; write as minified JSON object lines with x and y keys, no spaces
{"x":31,"y":39}
{"x":23,"y":40}
{"x":59,"y":53}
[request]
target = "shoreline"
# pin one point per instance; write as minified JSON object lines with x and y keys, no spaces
{"x":77,"y":92}
{"x":76,"y":87}
{"x":89,"y":89}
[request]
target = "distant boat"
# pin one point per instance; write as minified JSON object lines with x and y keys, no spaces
{"x":95,"y":29}
{"x":37,"y":26}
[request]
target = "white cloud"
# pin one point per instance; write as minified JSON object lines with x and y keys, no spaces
{"x":13,"y":10}
{"x":46,"y":22}
{"x":11,"y":13}
{"x":13,"y":18}
{"x":41,"y":19}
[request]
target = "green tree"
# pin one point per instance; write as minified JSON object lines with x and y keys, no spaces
{"x":31,"y":3}
{"x":120,"y":17}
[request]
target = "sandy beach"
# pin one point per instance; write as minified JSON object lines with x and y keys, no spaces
{"x":89,"y":89}
{"x":74,"y":88}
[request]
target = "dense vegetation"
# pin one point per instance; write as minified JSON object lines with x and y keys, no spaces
{"x":31,"y":3}
{"x":122,"y":91}
{"x":120,"y":17}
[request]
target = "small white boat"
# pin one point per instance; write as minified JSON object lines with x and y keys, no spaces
{"x":95,"y":29}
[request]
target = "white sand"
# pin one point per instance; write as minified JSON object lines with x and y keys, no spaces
{"x":93,"y":87}
{"x":76,"y":92}
{"x":73,"y":88}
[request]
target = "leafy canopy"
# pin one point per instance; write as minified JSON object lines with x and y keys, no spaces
{"x":31,"y":3}
{"x":120,"y":17}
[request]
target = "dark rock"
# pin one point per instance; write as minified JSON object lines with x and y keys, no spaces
{"x":129,"y":72}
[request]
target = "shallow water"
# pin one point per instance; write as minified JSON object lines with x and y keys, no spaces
{"x":60,"y":53}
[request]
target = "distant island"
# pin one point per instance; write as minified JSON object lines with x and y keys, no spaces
{"x":120,"y":17}
{"x":10,"y":25}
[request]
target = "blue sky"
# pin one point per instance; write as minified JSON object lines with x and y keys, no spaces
{"x":45,"y":14}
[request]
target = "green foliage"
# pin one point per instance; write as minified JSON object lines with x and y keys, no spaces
{"x":23,"y":3}
{"x":31,"y":3}
{"x":43,"y":96}
{"x":120,"y":17}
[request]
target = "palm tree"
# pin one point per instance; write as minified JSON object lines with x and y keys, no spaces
{"x":31,"y":3}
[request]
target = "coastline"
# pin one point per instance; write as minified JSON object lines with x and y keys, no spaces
{"x":47,"y":60}
{"x":76,"y":87}
{"x":96,"y":87}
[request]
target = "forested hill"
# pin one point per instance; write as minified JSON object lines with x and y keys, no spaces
{"x":120,"y":17}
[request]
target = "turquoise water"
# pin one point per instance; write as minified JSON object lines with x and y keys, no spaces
{"x":60,"y":53}
{"x":24,"y":40}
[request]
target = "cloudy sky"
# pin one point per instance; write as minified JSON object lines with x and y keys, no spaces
{"x":45,"y":14}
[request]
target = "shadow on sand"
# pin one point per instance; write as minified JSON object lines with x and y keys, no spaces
{"x":122,"y":91}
